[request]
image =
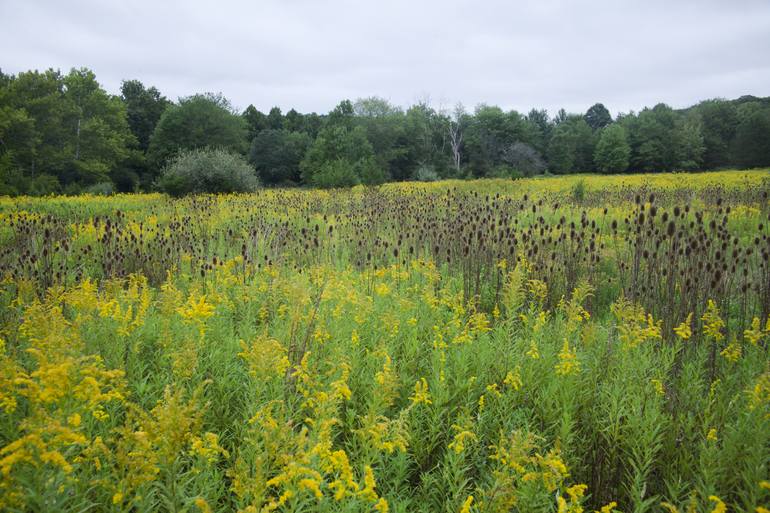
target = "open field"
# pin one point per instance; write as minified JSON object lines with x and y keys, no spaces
{"x":552,"y":344}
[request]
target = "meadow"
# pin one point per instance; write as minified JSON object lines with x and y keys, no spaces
{"x":559,"y":344}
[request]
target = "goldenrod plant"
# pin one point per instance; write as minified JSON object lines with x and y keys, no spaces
{"x":468,"y":347}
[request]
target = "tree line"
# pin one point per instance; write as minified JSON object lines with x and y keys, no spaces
{"x":65,"y":134}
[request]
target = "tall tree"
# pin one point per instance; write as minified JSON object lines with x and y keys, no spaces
{"x":275,"y":119}
{"x":490,"y":133}
{"x":256,"y":121}
{"x":654,"y":139}
{"x":751,"y":146}
{"x":612,"y":151}
{"x":720,"y":120}
{"x":541,"y":128}
{"x":276,"y":154}
{"x":100,"y":134}
{"x":691,"y":143}
{"x":196,"y":122}
{"x":144,"y":106}
{"x":597,"y":116}
{"x":455,"y":132}
{"x":571,"y":147}
{"x":340,"y":157}
{"x":385,"y":129}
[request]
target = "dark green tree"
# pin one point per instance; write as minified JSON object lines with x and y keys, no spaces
{"x":689,"y":134}
{"x":571,"y":147}
{"x":597,"y":116}
{"x":99,"y":135}
{"x":654,"y":139}
{"x":612,"y":150}
{"x":385,"y":127}
{"x":276,"y":155}
{"x":541,"y":128}
{"x":275,"y":119}
{"x":196,"y":122}
{"x":490,"y":133}
{"x":720,"y":120}
{"x":751,"y":145}
{"x":340,"y":158}
{"x":144,"y":106}
{"x":256,"y":121}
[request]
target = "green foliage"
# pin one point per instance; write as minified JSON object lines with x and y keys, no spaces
{"x":572,"y":146}
{"x":720,"y":121}
{"x":100,"y":189}
{"x":578,"y":192}
{"x":612,"y":151}
{"x":276,"y":154}
{"x":426,"y":174}
{"x":68,"y":127}
{"x":340,"y":157}
{"x":144,"y":107}
{"x":751,"y":146}
{"x":197,"y":121}
{"x":256,"y":121}
{"x":691,"y":144}
{"x":43,"y":185}
{"x":597,"y":116}
{"x":63,"y":126}
{"x":654,"y":140}
{"x":490,"y":134}
{"x":229,"y":352}
{"x":207,"y":170}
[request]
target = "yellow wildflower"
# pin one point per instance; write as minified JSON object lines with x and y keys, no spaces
{"x":513,"y":379}
{"x":732,"y":352}
{"x":608,"y":508}
{"x":381,"y":506}
{"x":658,"y":385}
{"x":466,"y":508}
{"x":712,"y":435}
{"x":719,"y":506}
{"x":421,"y":393}
{"x":202,"y":505}
{"x":568,"y":362}
{"x":712,"y":322}
{"x":462,"y":435}
{"x":684,"y":330}
{"x":533,"y":351}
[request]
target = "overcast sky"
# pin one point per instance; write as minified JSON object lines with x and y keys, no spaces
{"x":310,"y":54}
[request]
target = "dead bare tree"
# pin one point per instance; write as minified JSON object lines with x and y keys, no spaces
{"x":455,"y":132}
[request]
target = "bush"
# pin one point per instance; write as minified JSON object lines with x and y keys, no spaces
{"x":43,"y":185}
{"x":504,"y":171}
{"x":337,"y":173}
{"x":579,"y":191}
{"x":207,"y":170}
{"x":101,"y":189}
{"x":426,"y":173}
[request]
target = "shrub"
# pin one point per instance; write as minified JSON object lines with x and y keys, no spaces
{"x":43,"y":185}
{"x":101,"y":189}
{"x":426,"y":173}
{"x":207,"y":170}
{"x":336,"y":173}
{"x":505,"y":171}
{"x":579,"y":191}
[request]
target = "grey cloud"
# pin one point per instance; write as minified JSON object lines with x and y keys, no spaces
{"x":310,"y":54}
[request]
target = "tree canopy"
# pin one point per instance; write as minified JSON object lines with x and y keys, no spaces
{"x":65,"y":133}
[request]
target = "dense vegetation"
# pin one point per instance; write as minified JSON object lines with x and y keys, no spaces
{"x":64,"y":134}
{"x":559,"y":344}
